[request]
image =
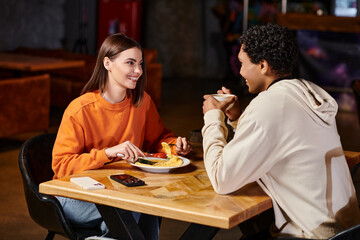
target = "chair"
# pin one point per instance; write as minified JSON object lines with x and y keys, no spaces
{"x":24,"y":104}
{"x":355,"y":85}
{"x":35,"y":166}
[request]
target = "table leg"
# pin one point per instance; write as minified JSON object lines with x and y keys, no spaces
{"x":121,"y":223}
{"x":197,"y":232}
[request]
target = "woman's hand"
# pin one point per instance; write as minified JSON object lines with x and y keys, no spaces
{"x":182,"y":146}
{"x":128,"y":149}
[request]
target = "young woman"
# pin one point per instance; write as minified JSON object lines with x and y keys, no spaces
{"x":114,"y":116}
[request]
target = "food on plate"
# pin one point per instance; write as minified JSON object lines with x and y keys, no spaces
{"x":174,"y":161}
{"x":144,"y":161}
{"x":166,"y":147}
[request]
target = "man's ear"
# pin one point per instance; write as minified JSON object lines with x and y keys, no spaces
{"x":264,"y":66}
{"x":107,"y":63}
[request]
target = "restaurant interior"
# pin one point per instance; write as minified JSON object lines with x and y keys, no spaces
{"x":190,"y":50}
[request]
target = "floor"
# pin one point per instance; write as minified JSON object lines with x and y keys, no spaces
{"x":181,"y":112}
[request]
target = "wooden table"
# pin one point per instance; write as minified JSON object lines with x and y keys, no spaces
{"x":185,"y":194}
{"x":28,"y":63}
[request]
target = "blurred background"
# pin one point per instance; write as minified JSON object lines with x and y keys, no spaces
{"x":192,"y":50}
{"x":194,"y":39}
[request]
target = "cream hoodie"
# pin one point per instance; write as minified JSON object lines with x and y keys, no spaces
{"x":287,"y":141}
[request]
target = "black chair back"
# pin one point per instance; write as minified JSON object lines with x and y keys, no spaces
{"x":35,"y":159}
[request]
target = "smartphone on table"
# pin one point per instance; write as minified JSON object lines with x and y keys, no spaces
{"x":127,"y":180}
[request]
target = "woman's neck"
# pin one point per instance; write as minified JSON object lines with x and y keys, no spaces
{"x":114,"y":96}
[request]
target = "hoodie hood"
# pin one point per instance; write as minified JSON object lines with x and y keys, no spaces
{"x":315,"y":100}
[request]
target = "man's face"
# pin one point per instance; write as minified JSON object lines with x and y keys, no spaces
{"x":252,"y":73}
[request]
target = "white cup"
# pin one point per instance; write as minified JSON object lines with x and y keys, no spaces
{"x":223,"y":97}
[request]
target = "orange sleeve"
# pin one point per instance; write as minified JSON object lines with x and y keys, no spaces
{"x":68,"y":152}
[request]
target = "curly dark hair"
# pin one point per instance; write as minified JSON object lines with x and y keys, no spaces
{"x":273,"y":43}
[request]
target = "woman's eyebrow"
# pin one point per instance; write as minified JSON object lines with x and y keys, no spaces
{"x":133,"y":60}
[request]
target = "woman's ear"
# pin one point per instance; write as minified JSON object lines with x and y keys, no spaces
{"x":107,"y":63}
{"x":264,"y":66}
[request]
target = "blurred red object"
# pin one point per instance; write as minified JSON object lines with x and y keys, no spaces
{"x":159,"y":155}
{"x":122,"y":16}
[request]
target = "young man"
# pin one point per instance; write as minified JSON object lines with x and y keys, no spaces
{"x":286,"y":140}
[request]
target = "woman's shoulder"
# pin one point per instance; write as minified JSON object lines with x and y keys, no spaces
{"x":82,"y":101}
{"x":146,"y":100}
{"x":147,"y":104}
{"x":146,"y":97}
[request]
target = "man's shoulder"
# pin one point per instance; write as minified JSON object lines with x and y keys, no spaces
{"x":269,"y":105}
{"x":280,"y":92}
{"x":269,"y":99}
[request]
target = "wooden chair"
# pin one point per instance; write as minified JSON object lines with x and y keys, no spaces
{"x":24,"y":104}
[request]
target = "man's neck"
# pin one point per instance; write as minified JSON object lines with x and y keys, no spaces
{"x":279,"y":78}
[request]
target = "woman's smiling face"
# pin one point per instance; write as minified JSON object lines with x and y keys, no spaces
{"x":126,"y":69}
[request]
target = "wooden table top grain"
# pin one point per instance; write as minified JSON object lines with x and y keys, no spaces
{"x":185,"y":194}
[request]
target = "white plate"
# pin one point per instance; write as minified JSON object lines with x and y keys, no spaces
{"x":161,"y":169}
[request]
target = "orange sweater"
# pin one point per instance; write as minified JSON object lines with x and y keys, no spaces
{"x":90,"y":124}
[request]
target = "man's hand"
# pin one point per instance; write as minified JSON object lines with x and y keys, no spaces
{"x":211,"y":103}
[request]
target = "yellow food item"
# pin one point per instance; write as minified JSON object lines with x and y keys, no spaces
{"x":173,"y":161}
{"x":167,"y":149}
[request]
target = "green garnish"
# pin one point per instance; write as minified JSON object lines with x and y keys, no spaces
{"x":141,"y":160}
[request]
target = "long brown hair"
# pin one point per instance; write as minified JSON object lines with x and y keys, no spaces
{"x":111,"y":47}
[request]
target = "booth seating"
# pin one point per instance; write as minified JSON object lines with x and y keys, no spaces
{"x":66,"y":84}
{"x":24,"y":104}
